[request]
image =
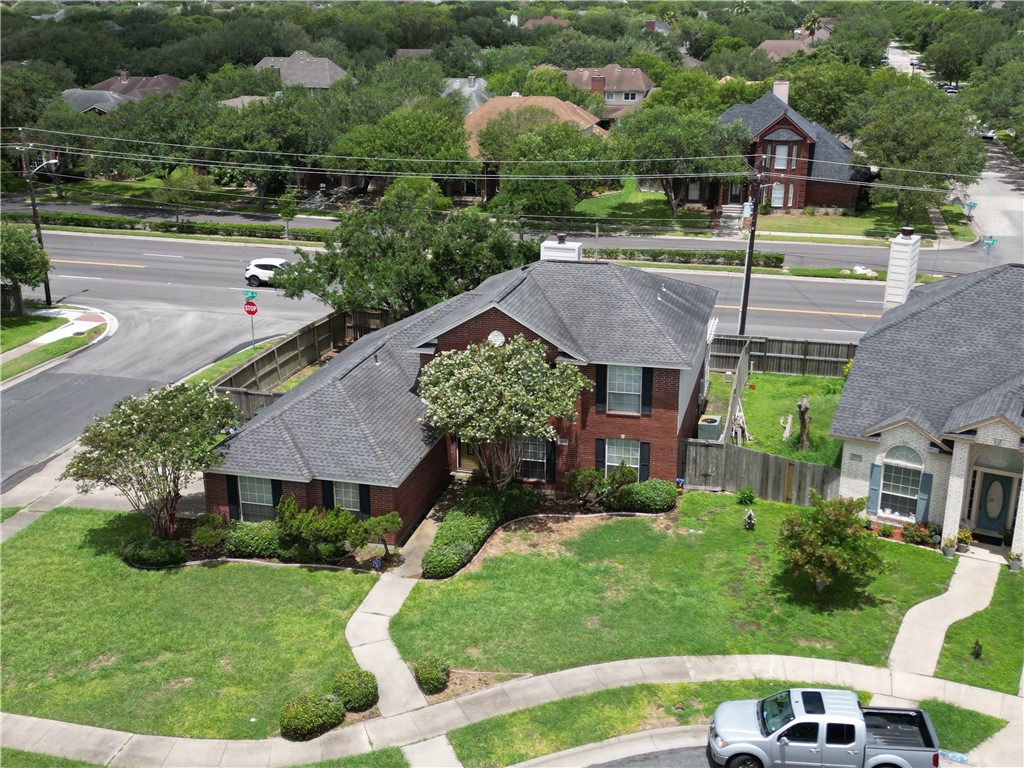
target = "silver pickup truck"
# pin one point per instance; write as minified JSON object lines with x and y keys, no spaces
{"x":813,"y":728}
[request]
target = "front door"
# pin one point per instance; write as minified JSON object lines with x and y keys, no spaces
{"x":468,"y":460}
{"x":735,"y":192}
{"x":994,"y":503}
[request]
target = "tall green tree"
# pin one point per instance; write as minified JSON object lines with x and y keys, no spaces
{"x":493,"y":396}
{"x":180,"y":188}
{"x":22,"y":262}
{"x":951,"y":56}
{"x":149,"y":448}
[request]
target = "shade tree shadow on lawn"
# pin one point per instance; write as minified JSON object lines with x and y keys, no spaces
{"x":845,"y":593}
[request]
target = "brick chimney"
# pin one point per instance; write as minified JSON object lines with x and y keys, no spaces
{"x":781,"y":90}
{"x":124,"y":75}
{"x":597,"y":84}
{"x":650,"y":25}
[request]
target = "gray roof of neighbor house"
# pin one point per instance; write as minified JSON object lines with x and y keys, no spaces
{"x":84,"y":99}
{"x":241,"y":102}
{"x":830,"y":158}
{"x":358,"y":418}
{"x":473,"y":88}
{"x":139,"y":87}
{"x":302,"y":68}
{"x":948,"y":358}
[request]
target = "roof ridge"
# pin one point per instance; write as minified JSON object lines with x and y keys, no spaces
{"x":368,"y":435}
{"x":621,"y":277}
{"x":568,"y":327}
{"x":293,"y":443}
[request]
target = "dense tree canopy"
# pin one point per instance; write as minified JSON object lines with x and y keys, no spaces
{"x":22,"y":261}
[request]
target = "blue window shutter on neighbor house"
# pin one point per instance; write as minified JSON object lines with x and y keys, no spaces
{"x":599,"y":455}
{"x":874,"y":487}
{"x":233,"y":507}
{"x":601,"y":390}
{"x":923,"y":495}
{"x":275,"y":492}
{"x":549,"y":464}
{"x":646,"y":391}
{"x":364,"y":501}
{"x":645,"y":461}
{"x":328,"y":493}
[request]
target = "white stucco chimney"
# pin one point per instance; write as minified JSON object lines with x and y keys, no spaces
{"x":904,"y":251}
{"x":781,"y":90}
{"x":561,"y":250}
{"x":472,"y":81}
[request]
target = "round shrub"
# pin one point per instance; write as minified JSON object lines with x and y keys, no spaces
{"x":649,"y":496}
{"x":306,"y":717}
{"x":252,"y":539}
{"x":440,"y":562}
{"x":356,"y":689}
{"x":208,"y":538}
{"x":745,"y":496}
{"x":150,"y":552}
{"x":432,"y":674}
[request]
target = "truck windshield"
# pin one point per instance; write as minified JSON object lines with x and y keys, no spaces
{"x":775,"y":711}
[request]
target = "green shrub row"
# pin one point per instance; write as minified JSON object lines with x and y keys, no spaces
{"x":650,"y":496}
{"x":252,"y":540}
{"x":679,"y":256}
{"x":150,"y":552}
{"x":307,"y":716}
{"x":58,"y":219}
{"x":356,"y":689}
{"x":432,"y":673}
{"x":469,"y":524}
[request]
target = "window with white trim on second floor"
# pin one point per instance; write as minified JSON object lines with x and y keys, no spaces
{"x":629,"y":96}
{"x":625,"y":384}
{"x":781,"y":156}
{"x":255,"y":499}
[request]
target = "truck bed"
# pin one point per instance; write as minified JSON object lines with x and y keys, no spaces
{"x":896,"y":728}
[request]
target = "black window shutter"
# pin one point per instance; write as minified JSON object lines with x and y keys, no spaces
{"x":327,"y":487}
{"x":364,"y":501}
{"x":275,"y":493}
{"x":599,"y":455}
{"x":549,"y":463}
{"x":645,"y":461}
{"x":602,"y":388}
{"x":646,"y":391}
{"x":233,"y":506}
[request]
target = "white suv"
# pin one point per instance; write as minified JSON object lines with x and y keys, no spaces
{"x":261,"y":271}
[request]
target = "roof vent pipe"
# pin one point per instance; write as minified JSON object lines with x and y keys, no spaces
{"x":561,"y":237}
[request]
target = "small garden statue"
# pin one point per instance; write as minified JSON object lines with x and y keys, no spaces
{"x":976,"y":650}
{"x":749,"y":521}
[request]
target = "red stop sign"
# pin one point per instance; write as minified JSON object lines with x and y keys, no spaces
{"x":250,"y":308}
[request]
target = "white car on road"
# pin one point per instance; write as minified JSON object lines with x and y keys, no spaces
{"x":261,"y":271}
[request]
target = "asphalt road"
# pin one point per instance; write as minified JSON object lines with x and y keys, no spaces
{"x":686,"y":757}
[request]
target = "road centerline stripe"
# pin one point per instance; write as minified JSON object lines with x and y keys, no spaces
{"x":797,"y":311}
{"x":98,"y":263}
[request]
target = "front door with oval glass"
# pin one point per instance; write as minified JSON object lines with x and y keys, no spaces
{"x":994,"y":502}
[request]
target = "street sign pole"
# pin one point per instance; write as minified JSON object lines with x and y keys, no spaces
{"x":252,"y":331}
{"x":251,"y":309}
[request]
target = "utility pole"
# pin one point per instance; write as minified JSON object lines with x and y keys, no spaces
{"x":748,"y":263}
{"x":29,"y":173}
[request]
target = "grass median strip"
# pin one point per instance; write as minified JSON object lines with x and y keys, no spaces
{"x":391,"y":757}
{"x":15,"y":331}
{"x":201,"y":652}
{"x":7,"y":512}
{"x":216,"y":370}
{"x":48,"y":352}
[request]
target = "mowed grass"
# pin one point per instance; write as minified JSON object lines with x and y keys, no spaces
{"x":202,"y":652}
{"x":959,"y":729}
{"x":629,"y":588}
{"x":549,"y":728}
{"x":878,"y":221}
{"x":1000,"y":630}
{"x":48,"y":352}
{"x":15,"y":331}
{"x":6,"y":512}
{"x":773,"y":396}
{"x":631,"y":209}
{"x":391,"y":757}
{"x":213,"y":372}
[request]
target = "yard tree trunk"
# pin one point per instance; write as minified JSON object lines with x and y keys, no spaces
{"x":805,"y":421}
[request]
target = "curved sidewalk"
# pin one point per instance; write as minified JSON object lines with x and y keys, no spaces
{"x":124,"y":749}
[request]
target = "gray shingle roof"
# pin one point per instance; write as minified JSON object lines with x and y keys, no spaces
{"x":830,"y":160}
{"x":358,"y":418}
{"x":302,"y":68}
{"x":84,"y":99}
{"x":475,"y":91}
{"x":951,"y":356}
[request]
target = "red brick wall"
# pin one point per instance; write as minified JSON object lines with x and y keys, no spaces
{"x":414,"y":498}
{"x":831,"y":195}
{"x":478,"y":328}
{"x":215,"y":488}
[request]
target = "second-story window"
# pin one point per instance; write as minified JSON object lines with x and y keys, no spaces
{"x":629,"y":96}
{"x":625,"y":383}
{"x":781,"y":156}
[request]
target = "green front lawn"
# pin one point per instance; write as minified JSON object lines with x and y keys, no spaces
{"x":960,"y":730}
{"x":138,"y":191}
{"x":630,"y":588}
{"x":391,"y":757}
{"x":6,"y":512}
{"x":203,"y":652}
{"x":773,"y":396}
{"x":878,"y":221}
{"x":48,"y":352}
{"x":631,"y":209}
{"x":956,"y":220}
{"x":15,"y":331}
{"x":999,"y":628}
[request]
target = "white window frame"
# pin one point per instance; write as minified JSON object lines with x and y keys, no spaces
{"x":902,"y":468}
{"x":778,"y":195}
{"x":530,"y":466}
{"x":346,"y":496}
{"x":781,"y":157}
{"x":621,"y":382}
{"x":255,"y":499}
{"x":791,"y":195}
{"x":629,"y":96}
{"x":693,"y":191}
{"x":617,"y":450}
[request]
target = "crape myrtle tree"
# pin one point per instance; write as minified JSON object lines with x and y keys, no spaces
{"x":151,"y":447}
{"x":492,"y":396}
{"x":22,"y":262}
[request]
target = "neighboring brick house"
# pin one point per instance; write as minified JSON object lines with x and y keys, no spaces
{"x":623,"y":90}
{"x":136,"y":87}
{"x":780,"y":49}
{"x":544,"y":21}
{"x":352,"y":434}
{"x":302,"y":68}
{"x":932,"y":415}
{"x":88,"y":100}
{"x":805,"y":164}
{"x":565,"y":111}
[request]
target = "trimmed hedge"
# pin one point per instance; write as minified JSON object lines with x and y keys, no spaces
{"x":252,"y":539}
{"x":306,"y":717}
{"x":649,"y":496}
{"x":150,"y":552}
{"x":679,"y":256}
{"x":356,"y":689}
{"x":76,"y":220}
{"x":469,"y":524}
{"x":432,"y":673}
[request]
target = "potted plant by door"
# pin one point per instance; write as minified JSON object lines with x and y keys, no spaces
{"x":948,"y":546}
{"x":963,"y":539}
{"x":1014,"y":559}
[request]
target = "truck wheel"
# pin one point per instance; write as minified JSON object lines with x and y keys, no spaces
{"x":745,"y":761}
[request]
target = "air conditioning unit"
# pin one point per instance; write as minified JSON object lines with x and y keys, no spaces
{"x":709,"y":427}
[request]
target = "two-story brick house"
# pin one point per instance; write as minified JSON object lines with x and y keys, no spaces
{"x":623,"y":89}
{"x":352,"y":434}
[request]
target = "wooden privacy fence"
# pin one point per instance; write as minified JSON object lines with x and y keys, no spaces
{"x":721,"y":466}
{"x":249,"y":385}
{"x":793,"y":356}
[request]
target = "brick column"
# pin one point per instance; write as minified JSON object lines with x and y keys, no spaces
{"x":957,"y":483}
{"x":1018,"y":527}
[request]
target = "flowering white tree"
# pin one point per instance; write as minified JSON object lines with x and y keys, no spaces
{"x":491,"y":396}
